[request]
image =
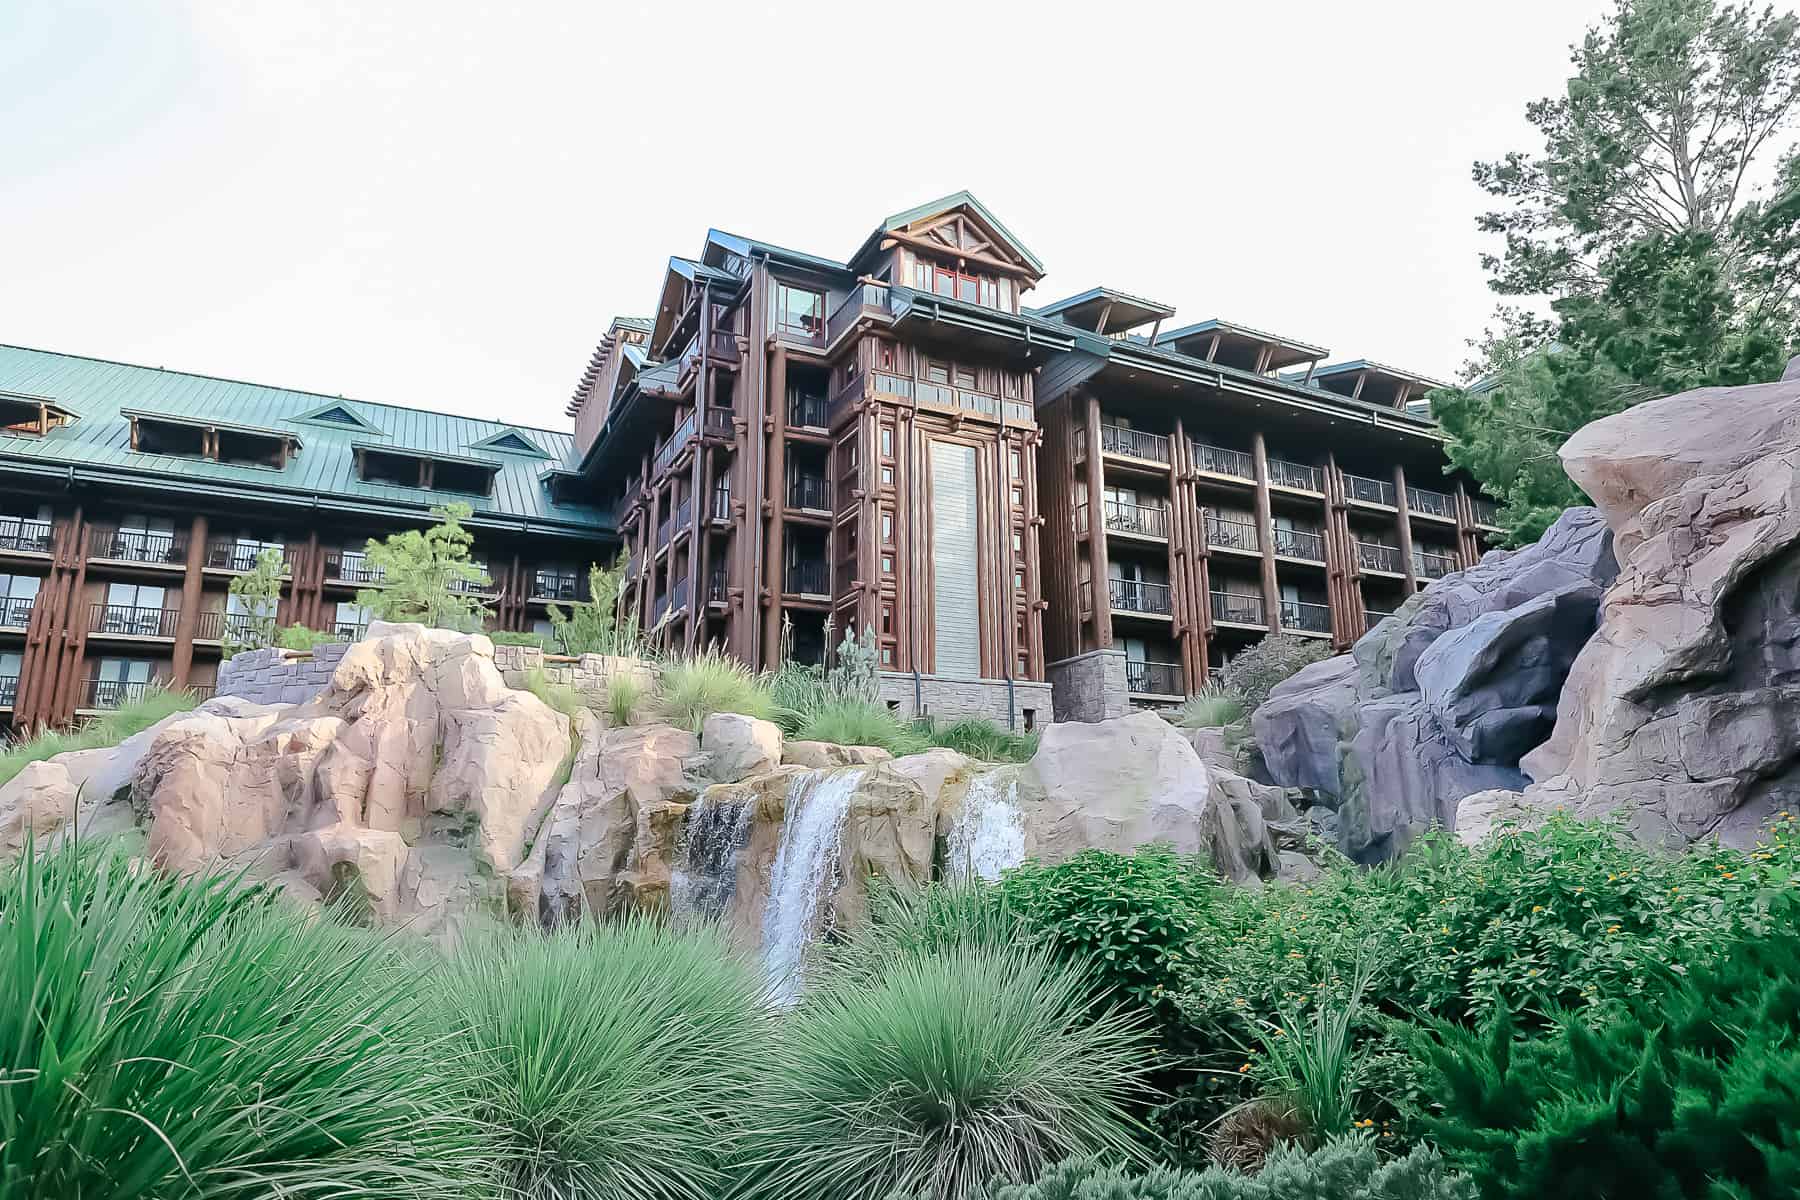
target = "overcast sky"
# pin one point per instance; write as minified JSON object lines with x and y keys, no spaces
{"x":442,"y":203}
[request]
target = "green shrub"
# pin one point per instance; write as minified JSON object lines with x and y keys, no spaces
{"x":625,"y":696}
{"x":694,"y":688}
{"x":188,"y":1038}
{"x":605,"y":1062}
{"x":945,"y":1071}
{"x":1694,"y":1093}
{"x":299,"y":637}
{"x":107,"y":730}
{"x":860,"y":723}
{"x":980,"y":738}
{"x":1257,"y":670}
{"x":509,"y":637}
{"x":1347,"y":1168}
{"x":593,"y":626}
{"x":1210,"y":708}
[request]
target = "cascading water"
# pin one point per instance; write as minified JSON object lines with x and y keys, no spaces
{"x":806,"y":869}
{"x":988,"y":836}
{"x":702,"y":885}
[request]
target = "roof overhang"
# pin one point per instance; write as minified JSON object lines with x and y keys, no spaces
{"x":1011,"y":335}
{"x":1104,"y":310}
{"x":1197,"y":340}
{"x":188,"y":420}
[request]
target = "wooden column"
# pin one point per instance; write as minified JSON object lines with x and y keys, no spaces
{"x":700,"y":551}
{"x":1034,"y":570}
{"x":1468,"y":538}
{"x":1342,"y":574}
{"x":774,"y":474}
{"x":1182,"y":554}
{"x":1265,"y":535}
{"x":1404,"y":521}
{"x":1100,"y":588}
{"x":192,"y":591}
{"x":652,"y":518}
{"x":58,"y":619}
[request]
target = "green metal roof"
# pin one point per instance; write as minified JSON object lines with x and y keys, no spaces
{"x":97,"y":445}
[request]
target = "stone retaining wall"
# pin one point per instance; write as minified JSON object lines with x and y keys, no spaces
{"x":590,"y":675}
{"x":277,"y":676}
{"x":948,"y":699}
{"x":1091,"y":686}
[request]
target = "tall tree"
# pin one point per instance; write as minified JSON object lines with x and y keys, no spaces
{"x":427,"y":575}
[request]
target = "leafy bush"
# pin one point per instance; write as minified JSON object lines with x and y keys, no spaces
{"x":594,"y":625}
{"x":980,"y":738}
{"x":1347,"y":1168}
{"x":1210,"y":708}
{"x":188,"y":1038}
{"x":427,"y":574}
{"x":941,"y":1073}
{"x":1695,"y":1093}
{"x":258,"y":596}
{"x":625,"y":696}
{"x":860,"y":723}
{"x":605,"y":1062}
{"x":107,"y":730}
{"x":299,"y":637}
{"x":695,"y":687}
{"x":1259,"y":669}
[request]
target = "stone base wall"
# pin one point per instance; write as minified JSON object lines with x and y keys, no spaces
{"x":1091,"y":686}
{"x":277,"y":676}
{"x":590,"y":675}
{"x":949,"y":699}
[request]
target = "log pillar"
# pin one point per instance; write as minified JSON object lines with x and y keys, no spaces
{"x":192,"y":593}
{"x":774,"y":502}
{"x":1101,"y":586}
{"x":1265,"y":535}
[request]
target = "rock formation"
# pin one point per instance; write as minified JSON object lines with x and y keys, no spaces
{"x":1442,"y":699}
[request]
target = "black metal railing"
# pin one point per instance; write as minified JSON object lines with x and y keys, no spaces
{"x":238,"y":627}
{"x":1230,"y":534}
{"x":1300,"y":543}
{"x":1432,"y":504}
{"x":720,"y":422}
{"x":1374,"y":556}
{"x":807,"y":411}
{"x":226,"y":554}
{"x":1153,"y":678}
{"x":25,"y":533}
{"x":716,"y":586}
{"x":1369,"y":491}
{"x":112,"y":693}
{"x":1299,"y":476}
{"x":9,"y":690}
{"x":1432,"y":564}
{"x":557,"y":585}
{"x":1238,"y":608}
{"x":1486,"y":511}
{"x":352,"y":566}
{"x":1133,"y":443}
{"x":137,"y":545}
{"x":678,"y":594}
{"x":721,"y":501}
{"x":15,"y":611}
{"x":1373,"y":617}
{"x":483,"y":586}
{"x":684,"y":433}
{"x":808,"y":577}
{"x":1144,"y":520}
{"x":1139,"y":596}
{"x":808,"y":491}
{"x":1306,"y":615}
{"x":349,"y":631}
{"x":665,"y":529}
{"x":126,"y":620}
{"x":1219,"y":460}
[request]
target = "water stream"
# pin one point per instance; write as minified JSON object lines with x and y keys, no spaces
{"x":806,"y":870}
{"x":988,"y":836}
{"x":702,"y":884}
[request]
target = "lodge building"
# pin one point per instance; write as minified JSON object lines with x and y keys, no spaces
{"x":1066,"y":509}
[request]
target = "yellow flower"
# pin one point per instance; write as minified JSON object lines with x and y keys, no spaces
{"x":1537,"y":908}
{"x":1612,"y":929}
{"x":1293,"y":954}
{"x":1533,"y":971}
{"x":1443,"y":929}
{"x":1243,"y":1068}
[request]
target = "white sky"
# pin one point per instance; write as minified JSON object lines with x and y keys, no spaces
{"x":442,"y":203}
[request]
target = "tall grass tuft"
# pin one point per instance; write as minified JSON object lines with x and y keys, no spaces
{"x":625,"y":697}
{"x":191,"y":1038}
{"x":1211,"y":707}
{"x":860,"y":723}
{"x":606,"y":1063}
{"x":558,"y":696}
{"x":941,"y":1074}
{"x":1313,"y":1066}
{"x":107,"y":730}
{"x":982,"y":739}
{"x":696,"y":687}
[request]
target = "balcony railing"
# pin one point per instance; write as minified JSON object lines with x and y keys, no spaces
{"x":684,"y":433}
{"x":808,"y":491}
{"x":9,"y":690}
{"x":1154,"y":678}
{"x":1218,"y":460}
{"x":228,"y":554}
{"x":1306,"y":615}
{"x":865,"y":299}
{"x":1238,"y":608}
{"x":808,"y":577}
{"x":716,"y":586}
{"x":1133,"y":443}
{"x":137,"y":545}
{"x":807,"y":411}
{"x":1373,"y":556}
{"x":1144,"y":520}
{"x":1432,"y":564}
{"x":1283,"y":473}
{"x":349,"y":631}
{"x":1373,"y":617}
{"x":1138,"y":596}
{"x":475,"y":587}
{"x":1486,"y":511}
{"x":1369,"y":491}
{"x":566,"y":586}
{"x":15,"y":611}
{"x":721,"y":501}
{"x":945,"y":396}
{"x":665,"y":528}
{"x":1300,"y":543}
{"x":1228,"y":534}
{"x":25,"y":533}
{"x":129,"y":621}
{"x":720,"y":422}
{"x":352,"y":566}
{"x":1432,"y":504}
{"x":112,"y":693}
{"x":239,"y":627}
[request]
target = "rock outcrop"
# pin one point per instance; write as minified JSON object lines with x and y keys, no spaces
{"x":1683,"y":711}
{"x":1442,"y":699}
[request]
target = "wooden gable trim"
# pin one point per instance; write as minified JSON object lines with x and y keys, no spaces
{"x":938,"y":248}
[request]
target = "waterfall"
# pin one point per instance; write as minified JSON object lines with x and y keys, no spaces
{"x":702,"y":884}
{"x":988,"y":836}
{"x":806,"y":869}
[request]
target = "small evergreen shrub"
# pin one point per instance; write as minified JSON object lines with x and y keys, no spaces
{"x":300,"y":637}
{"x":1259,"y":669}
{"x":1346,"y":1168}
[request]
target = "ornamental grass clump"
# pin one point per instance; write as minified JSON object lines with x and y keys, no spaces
{"x":605,"y":1063}
{"x":192,"y":1038}
{"x":694,"y":688}
{"x":947,"y":1071}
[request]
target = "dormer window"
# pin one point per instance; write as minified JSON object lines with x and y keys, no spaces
{"x":432,"y":472}
{"x":193,"y":437}
{"x":30,"y":416}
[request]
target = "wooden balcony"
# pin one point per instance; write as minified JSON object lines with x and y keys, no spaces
{"x":123,"y":620}
{"x":1376,"y":556}
{"x":15,"y":612}
{"x":24,"y":535}
{"x":1224,"y":533}
{"x":1361,"y":489}
{"x":1305,"y":616}
{"x":1133,"y":443}
{"x":1236,"y":608}
{"x":351,"y":566}
{"x":1218,"y":460}
{"x":1304,"y":544}
{"x":1154,"y":679}
{"x":1136,"y":596}
{"x":1298,"y":477}
{"x":1431,"y":504}
{"x":111,"y":543}
{"x":1432,"y":564}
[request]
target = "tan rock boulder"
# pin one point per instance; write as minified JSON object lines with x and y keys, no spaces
{"x":35,"y":803}
{"x":740,"y":746}
{"x":823,"y":756}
